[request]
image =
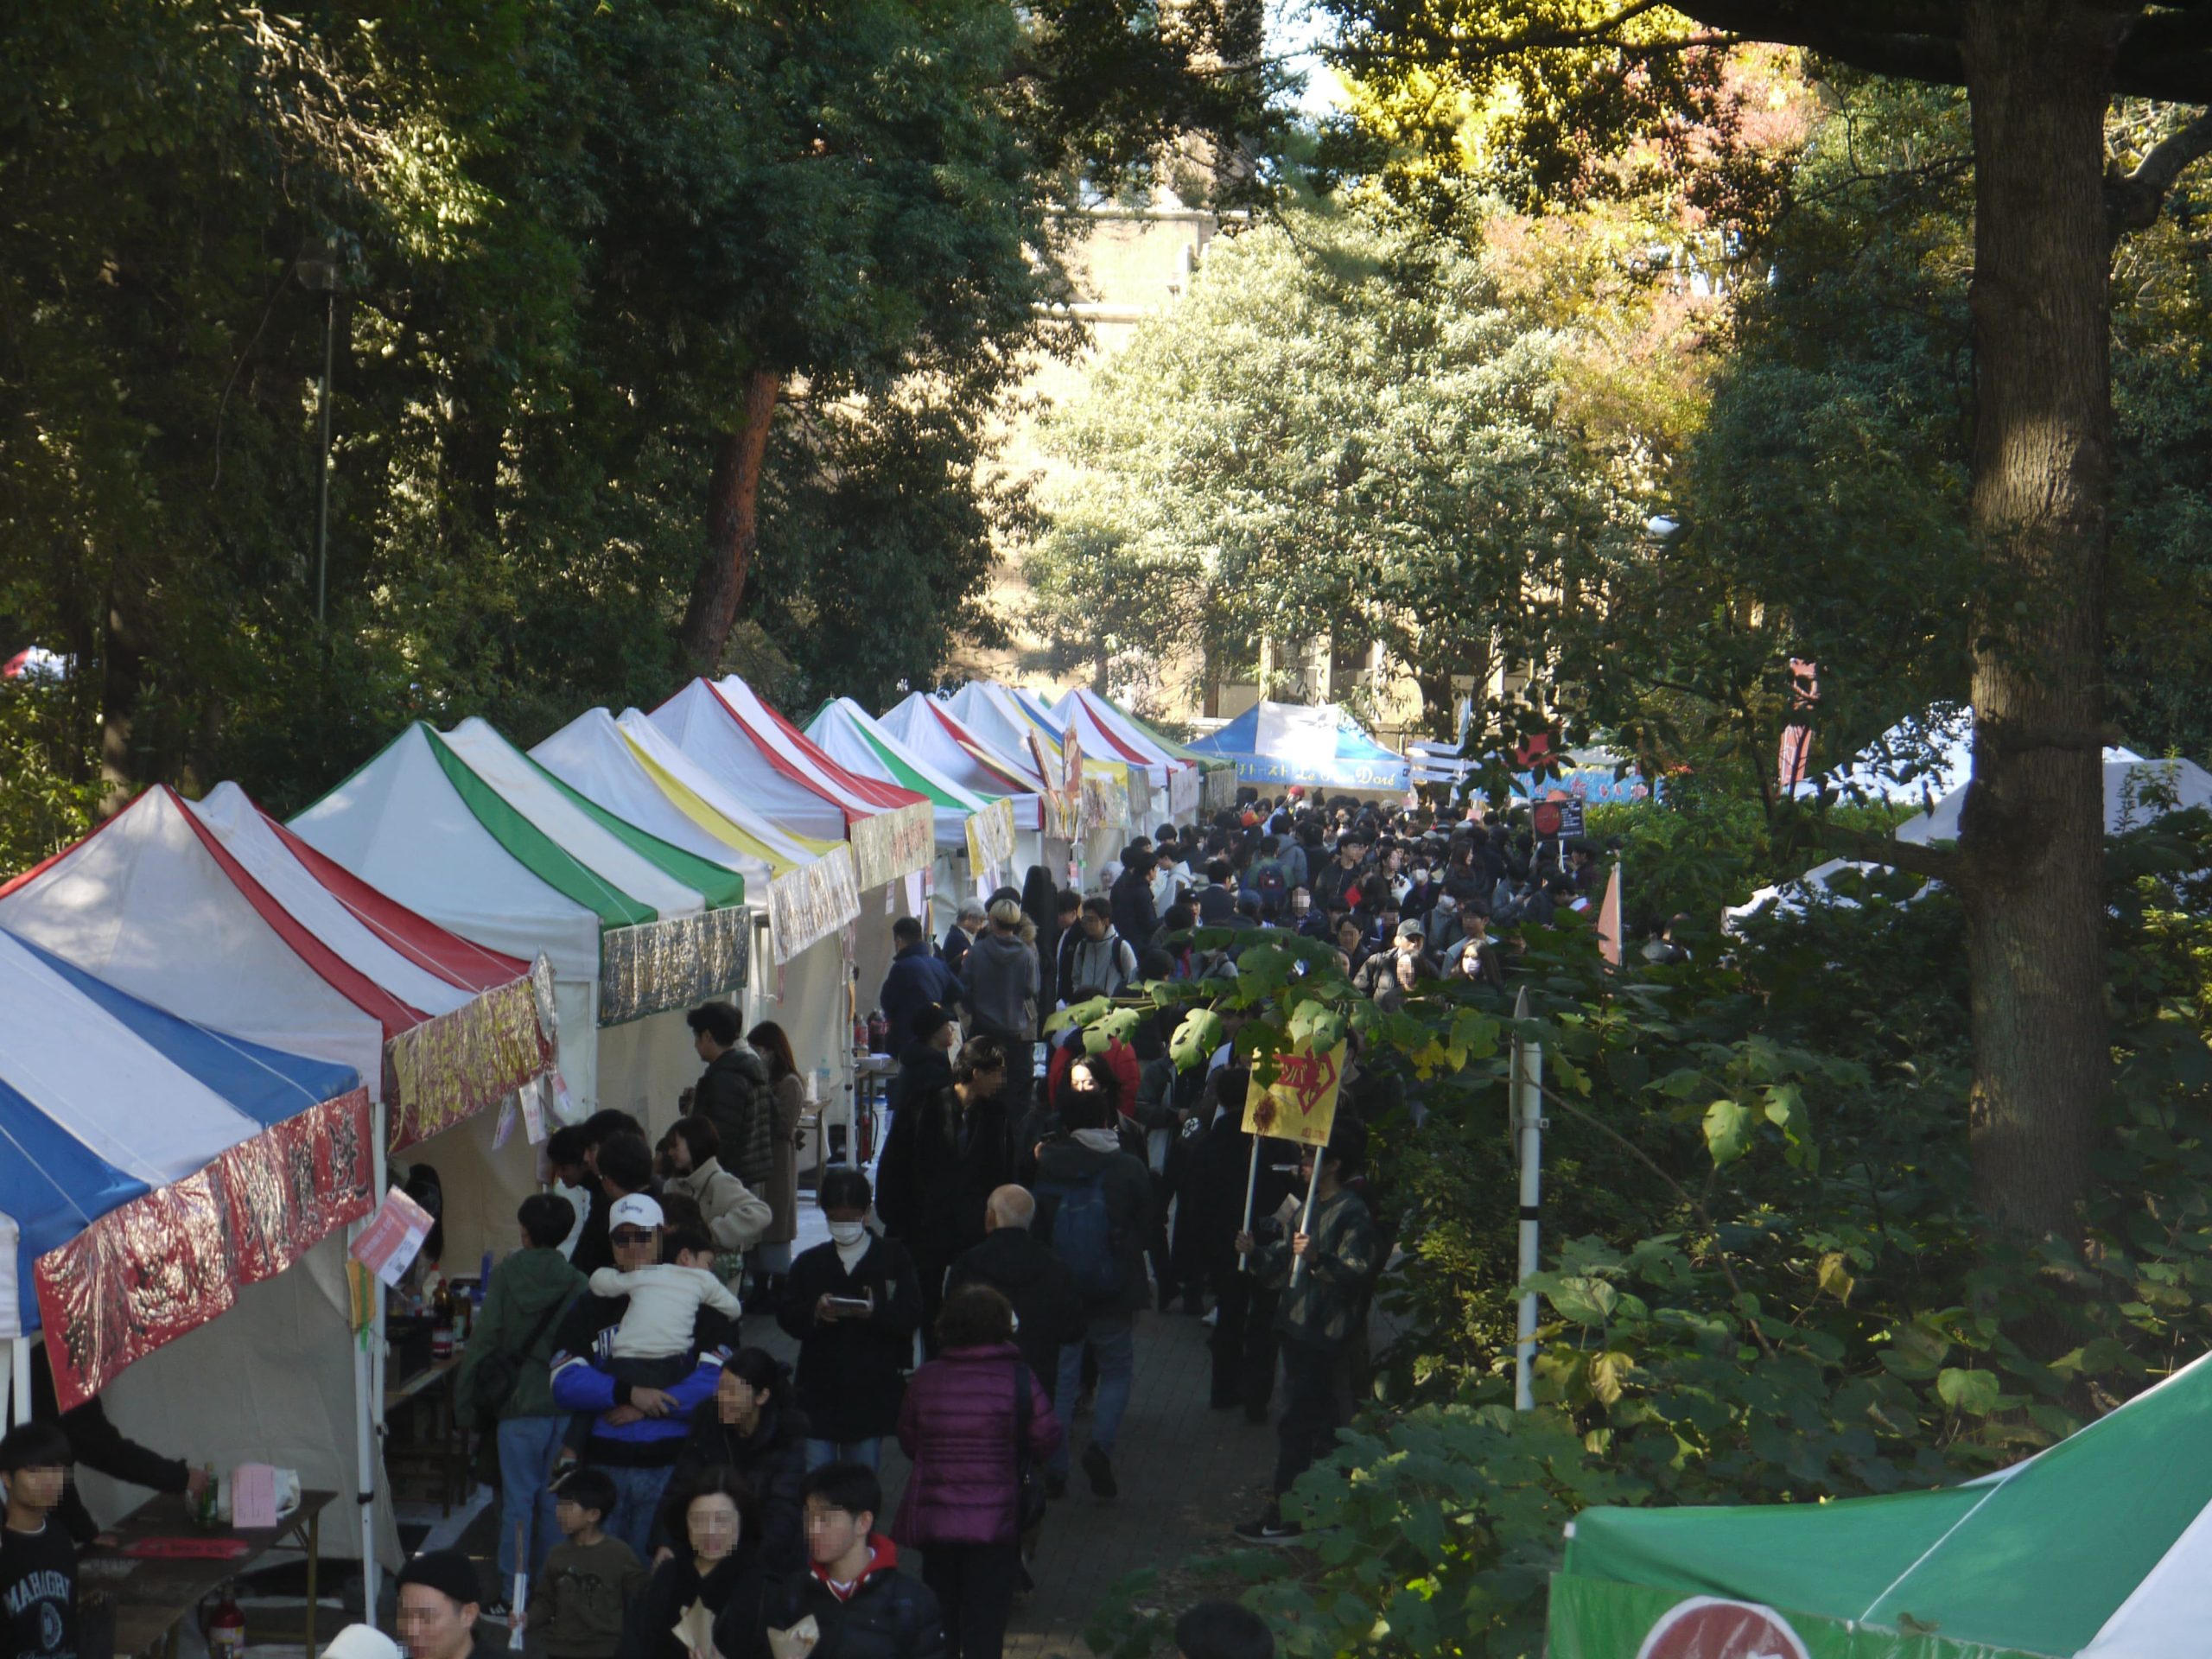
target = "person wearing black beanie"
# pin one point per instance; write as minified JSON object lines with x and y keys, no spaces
{"x":440,"y":1595}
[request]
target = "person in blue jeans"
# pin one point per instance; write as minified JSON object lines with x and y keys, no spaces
{"x":522,"y":1311}
{"x":1093,"y":1201}
{"x":639,"y":1418}
{"x":855,"y":1305}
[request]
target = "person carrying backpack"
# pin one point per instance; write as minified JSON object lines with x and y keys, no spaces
{"x":1093,"y":1201}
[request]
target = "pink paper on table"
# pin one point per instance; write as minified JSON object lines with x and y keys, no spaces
{"x":253,"y":1497}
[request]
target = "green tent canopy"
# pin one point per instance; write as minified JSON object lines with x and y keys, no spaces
{"x":2099,"y":1547}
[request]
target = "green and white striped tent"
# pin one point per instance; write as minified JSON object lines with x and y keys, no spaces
{"x":466,"y":829}
{"x":2099,"y":1547}
{"x":963,"y":820}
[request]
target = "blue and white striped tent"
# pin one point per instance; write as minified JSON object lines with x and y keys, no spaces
{"x":105,"y":1099}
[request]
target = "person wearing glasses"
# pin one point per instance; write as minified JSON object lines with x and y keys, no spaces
{"x":640,"y":1411}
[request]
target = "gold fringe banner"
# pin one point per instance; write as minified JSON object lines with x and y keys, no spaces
{"x":449,"y":1068}
{"x":990,"y":835}
{"x":886,"y":845}
{"x":812,"y":902}
{"x":672,"y":963}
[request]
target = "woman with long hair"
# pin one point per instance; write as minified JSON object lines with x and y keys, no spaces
{"x":787,"y":1096}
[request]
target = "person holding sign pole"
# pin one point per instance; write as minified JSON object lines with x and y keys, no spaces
{"x":1322,"y":1268}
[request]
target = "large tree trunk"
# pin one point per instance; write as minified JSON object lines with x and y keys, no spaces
{"x":733,"y":528}
{"x":123,"y":679}
{"x":2031,"y":835}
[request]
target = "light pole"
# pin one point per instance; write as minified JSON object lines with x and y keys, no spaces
{"x":318,"y":272}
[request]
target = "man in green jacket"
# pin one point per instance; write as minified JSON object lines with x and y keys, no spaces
{"x":520,"y":1320}
{"x":1320,"y":1302}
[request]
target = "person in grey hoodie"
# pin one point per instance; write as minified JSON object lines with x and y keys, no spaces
{"x":1000,"y":986}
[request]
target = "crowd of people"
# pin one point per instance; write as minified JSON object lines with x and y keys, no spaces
{"x":975,"y":1299}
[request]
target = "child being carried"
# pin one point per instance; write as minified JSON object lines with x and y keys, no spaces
{"x":664,"y":1298}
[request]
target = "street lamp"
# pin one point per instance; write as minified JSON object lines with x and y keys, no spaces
{"x":318,"y":273}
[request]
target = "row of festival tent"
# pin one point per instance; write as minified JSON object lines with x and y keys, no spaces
{"x":421,"y":928}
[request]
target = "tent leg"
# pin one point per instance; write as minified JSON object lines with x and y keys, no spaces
{"x":1528,"y":1131}
{"x":19,"y":1368}
{"x":368,"y":1385}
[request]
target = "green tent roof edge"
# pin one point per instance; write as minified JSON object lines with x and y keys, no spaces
{"x":532,"y":848}
{"x":722,"y":887}
{"x":1204,"y":762}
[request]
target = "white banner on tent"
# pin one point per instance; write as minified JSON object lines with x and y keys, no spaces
{"x":1182,"y":784}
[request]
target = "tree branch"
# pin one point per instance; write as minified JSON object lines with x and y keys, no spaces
{"x":1864,"y":847}
{"x":2134,"y":200}
{"x":1924,"y":48}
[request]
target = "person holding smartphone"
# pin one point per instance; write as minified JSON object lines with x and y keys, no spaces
{"x":855,"y":1305}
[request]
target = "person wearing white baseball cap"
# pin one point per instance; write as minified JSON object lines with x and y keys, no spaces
{"x":641,"y":1408}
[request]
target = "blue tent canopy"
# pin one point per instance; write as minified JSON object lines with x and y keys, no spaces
{"x":1276,"y":745}
{"x":105,"y":1098}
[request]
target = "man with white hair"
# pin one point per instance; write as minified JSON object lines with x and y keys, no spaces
{"x":1047,"y":1311}
{"x":961,"y":934}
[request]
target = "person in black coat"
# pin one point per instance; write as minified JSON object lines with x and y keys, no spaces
{"x":1069,"y":917}
{"x":924,"y":1067}
{"x":962,"y":1154}
{"x":751,"y":1426}
{"x":712,"y":1551}
{"x":852,"y":1365}
{"x":1012,"y":1261}
{"x":881,"y":1613}
{"x":1135,"y":918}
{"x":1212,"y":1210}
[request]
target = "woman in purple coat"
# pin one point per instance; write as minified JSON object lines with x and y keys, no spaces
{"x":959,"y":1425}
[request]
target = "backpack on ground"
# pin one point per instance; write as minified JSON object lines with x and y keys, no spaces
{"x":1080,"y":1232}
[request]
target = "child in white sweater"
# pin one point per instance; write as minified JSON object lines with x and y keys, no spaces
{"x":663,"y":1305}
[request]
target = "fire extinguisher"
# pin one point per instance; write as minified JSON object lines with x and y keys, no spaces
{"x":226,"y":1628}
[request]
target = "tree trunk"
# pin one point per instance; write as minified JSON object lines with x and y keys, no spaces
{"x":122,"y":678}
{"x":2031,"y":834}
{"x":733,"y":528}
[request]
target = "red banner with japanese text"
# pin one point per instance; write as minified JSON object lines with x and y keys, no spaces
{"x":167,"y":1262}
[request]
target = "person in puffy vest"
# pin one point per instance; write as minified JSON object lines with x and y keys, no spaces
{"x":733,"y":1094}
{"x":1093,"y":1205}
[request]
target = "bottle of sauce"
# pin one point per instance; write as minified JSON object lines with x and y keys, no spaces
{"x":442,"y":1323}
{"x":226,"y":1628}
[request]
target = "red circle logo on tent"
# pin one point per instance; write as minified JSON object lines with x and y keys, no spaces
{"x":1705,"y":1627}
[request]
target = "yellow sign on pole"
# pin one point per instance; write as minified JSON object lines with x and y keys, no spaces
{"x":1302,"y":1105}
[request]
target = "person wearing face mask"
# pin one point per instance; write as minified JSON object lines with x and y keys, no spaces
{"x":854,"y":1304}
{"x":712,"y":1551}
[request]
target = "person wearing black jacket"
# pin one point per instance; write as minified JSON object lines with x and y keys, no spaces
{"x":1047,"y":1311}
{"x":1244,"y":1341}
{"x":750,"y":1428}
{"x":961,"y":1155}
{"x":97,"y":1443}
{"x":734,"y":1095}
{"x":1069,"y":935}
{"x":1135,"y":917}
{"x":852,"y":1364}
{"x":862,"y":1605}
{"x":924,"y":1067}
{"x":713,"y":1550}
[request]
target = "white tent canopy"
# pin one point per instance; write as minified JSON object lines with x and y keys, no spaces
{"x":2136,"y":793}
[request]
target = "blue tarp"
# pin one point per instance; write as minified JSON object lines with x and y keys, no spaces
{"x":1276,"y":745}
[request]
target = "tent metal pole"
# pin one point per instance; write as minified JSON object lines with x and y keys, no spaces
{"x":19,"y":1367}
{"x":1528,"y":1109}
{"x":368,"y":1383}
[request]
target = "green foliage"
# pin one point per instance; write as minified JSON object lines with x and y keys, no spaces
{"x":1764,"y":1279}
{"x":564,"y":235}
{"x":1342,"y":427}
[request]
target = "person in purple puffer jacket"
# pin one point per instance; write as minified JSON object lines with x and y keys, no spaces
{"x":963,"y":1504}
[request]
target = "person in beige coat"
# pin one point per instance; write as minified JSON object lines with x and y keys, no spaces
{"x":787,"y":1089}
{"x":736,"y":1216}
